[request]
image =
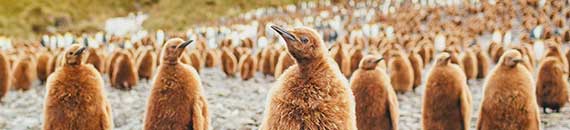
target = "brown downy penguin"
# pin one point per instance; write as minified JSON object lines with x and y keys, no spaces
{"x":470,"y":66}
{"x":52,"y":63}
{"x":356,"y":56}
{"x":23,"y":74}
{"x":306,"y":92}
{"x":229,"y":62}
{"x":95,"y":59}
{"x":5,"y":77}
{"x":42,"y":66}
{"x":551,"y":84}
{"x":285,"y":61}
{"x":146,"y":63}
{"x":265,"y":61}
{"x":111,"y":61}
{"x":125,"y":75}
{"x":376,"y":101}
{"x":176,"y":101}
{"x":483,"y":62}
{"x":247,"y":65}
{"x":342,"y":58}
{"x":75,"y":98}
{"x":211,"y":59}
{"x":417,"y":66}
{"x":509,"y":102}
{"x":196,"y":60}
{"x":401,"y":72}
{"x":446,"y":100}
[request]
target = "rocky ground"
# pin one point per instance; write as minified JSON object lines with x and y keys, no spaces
{"x":233,"y":104}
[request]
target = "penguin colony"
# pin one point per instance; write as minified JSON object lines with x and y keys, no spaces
{"x":311,"y":68}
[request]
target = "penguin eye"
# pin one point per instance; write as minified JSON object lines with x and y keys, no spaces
{"x":304,"y":39}
{"x":70,"y":53}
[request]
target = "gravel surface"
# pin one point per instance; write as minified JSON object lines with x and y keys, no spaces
{"x":233,"y":104}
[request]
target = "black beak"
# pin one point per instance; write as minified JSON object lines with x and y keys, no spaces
{"x":379,"y":60}
{"x":285,"y":34}
{"x":185,"y":44}
{"x":80,"y":51}
{"x":517,"y":60}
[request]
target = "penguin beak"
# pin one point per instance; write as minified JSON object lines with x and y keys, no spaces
{"x":284,"y":33}
{"x":472,"y":44}
{"x":185,"y":44}
{"x":517,"y":60}
{"x":80,"y":51}
{"x":379,"y":60}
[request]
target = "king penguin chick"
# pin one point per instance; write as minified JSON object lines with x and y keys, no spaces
{"x":74,"y":97}
{"x":265,"y":61}
{"x":229,"y":62}
{"x":376,"y":101}
{"x":342,"y":58}
{"x":509,"y":102}
{"x":23,"y":75}
{"x":469,"y":60}
{"x":42,"y":66}
{"x":146,"y":63}
{"x":285,"y":61}
{"x":551,"y":85}
{"x":176,"y":101}
{"x":356,"y":56}
{"x":306,"y":92}
{"x":125,"y":75}
{"x":417,"y":66}
{"x":247,"y":65}
{"x":401,"y":72}
{"x":196,"y":60}
{"x":211,"y":59}
{"x":483,"y":62}
{"x":446,"y":100}
{"x":4,"y":75}
{"x":95,"y":59}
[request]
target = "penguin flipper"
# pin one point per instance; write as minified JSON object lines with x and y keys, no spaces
{"x":393,"y":108}
{"x":198,"y":120}
{"x":465,"y":105}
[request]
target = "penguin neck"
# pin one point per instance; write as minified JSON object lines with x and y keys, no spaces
{"x":313,"y":66}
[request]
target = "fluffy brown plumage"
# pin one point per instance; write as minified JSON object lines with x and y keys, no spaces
{"x":417,"y":66}
{"x":211,"y":59}
{"x":125,"y":75}
{"x":4,"y":75}
{"x":23,"y":74}
{"x":176,"y":101}
{"x":229,"y":62}
{"x":285,"y":61}
{"x":77,"y":90}
{"x":146,"y":63}
{"x":401,"y":72}
{"x":342,"y":58}
{"x":196,"y":60}
{"x":310,"y":88}
{"x":247,"y":65}
{"x":265,"y":61}
{"x":96,"y":60}
{"x":356,"y":56}
{"x":483,"y":62}
{"x":446,"y":100}
{"x":551,"y":84}
{"x":469,"y":61}
{"x":376,"y":101}
{"x":42,"y":66}
{"x":509,"y":102}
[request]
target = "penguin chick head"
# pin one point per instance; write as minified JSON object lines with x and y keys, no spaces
{"x":304,"y":44}
{"x":173,"y":50}
{"x":76,"y":54}
{"x":443,"y":59}
{"x":370,"y":62}
{"x":511,"y":58}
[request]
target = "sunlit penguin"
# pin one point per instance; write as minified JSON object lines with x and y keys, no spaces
{"x":75,"y":97}
{"x":310,"y":88}
{"x":176,"y":101}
